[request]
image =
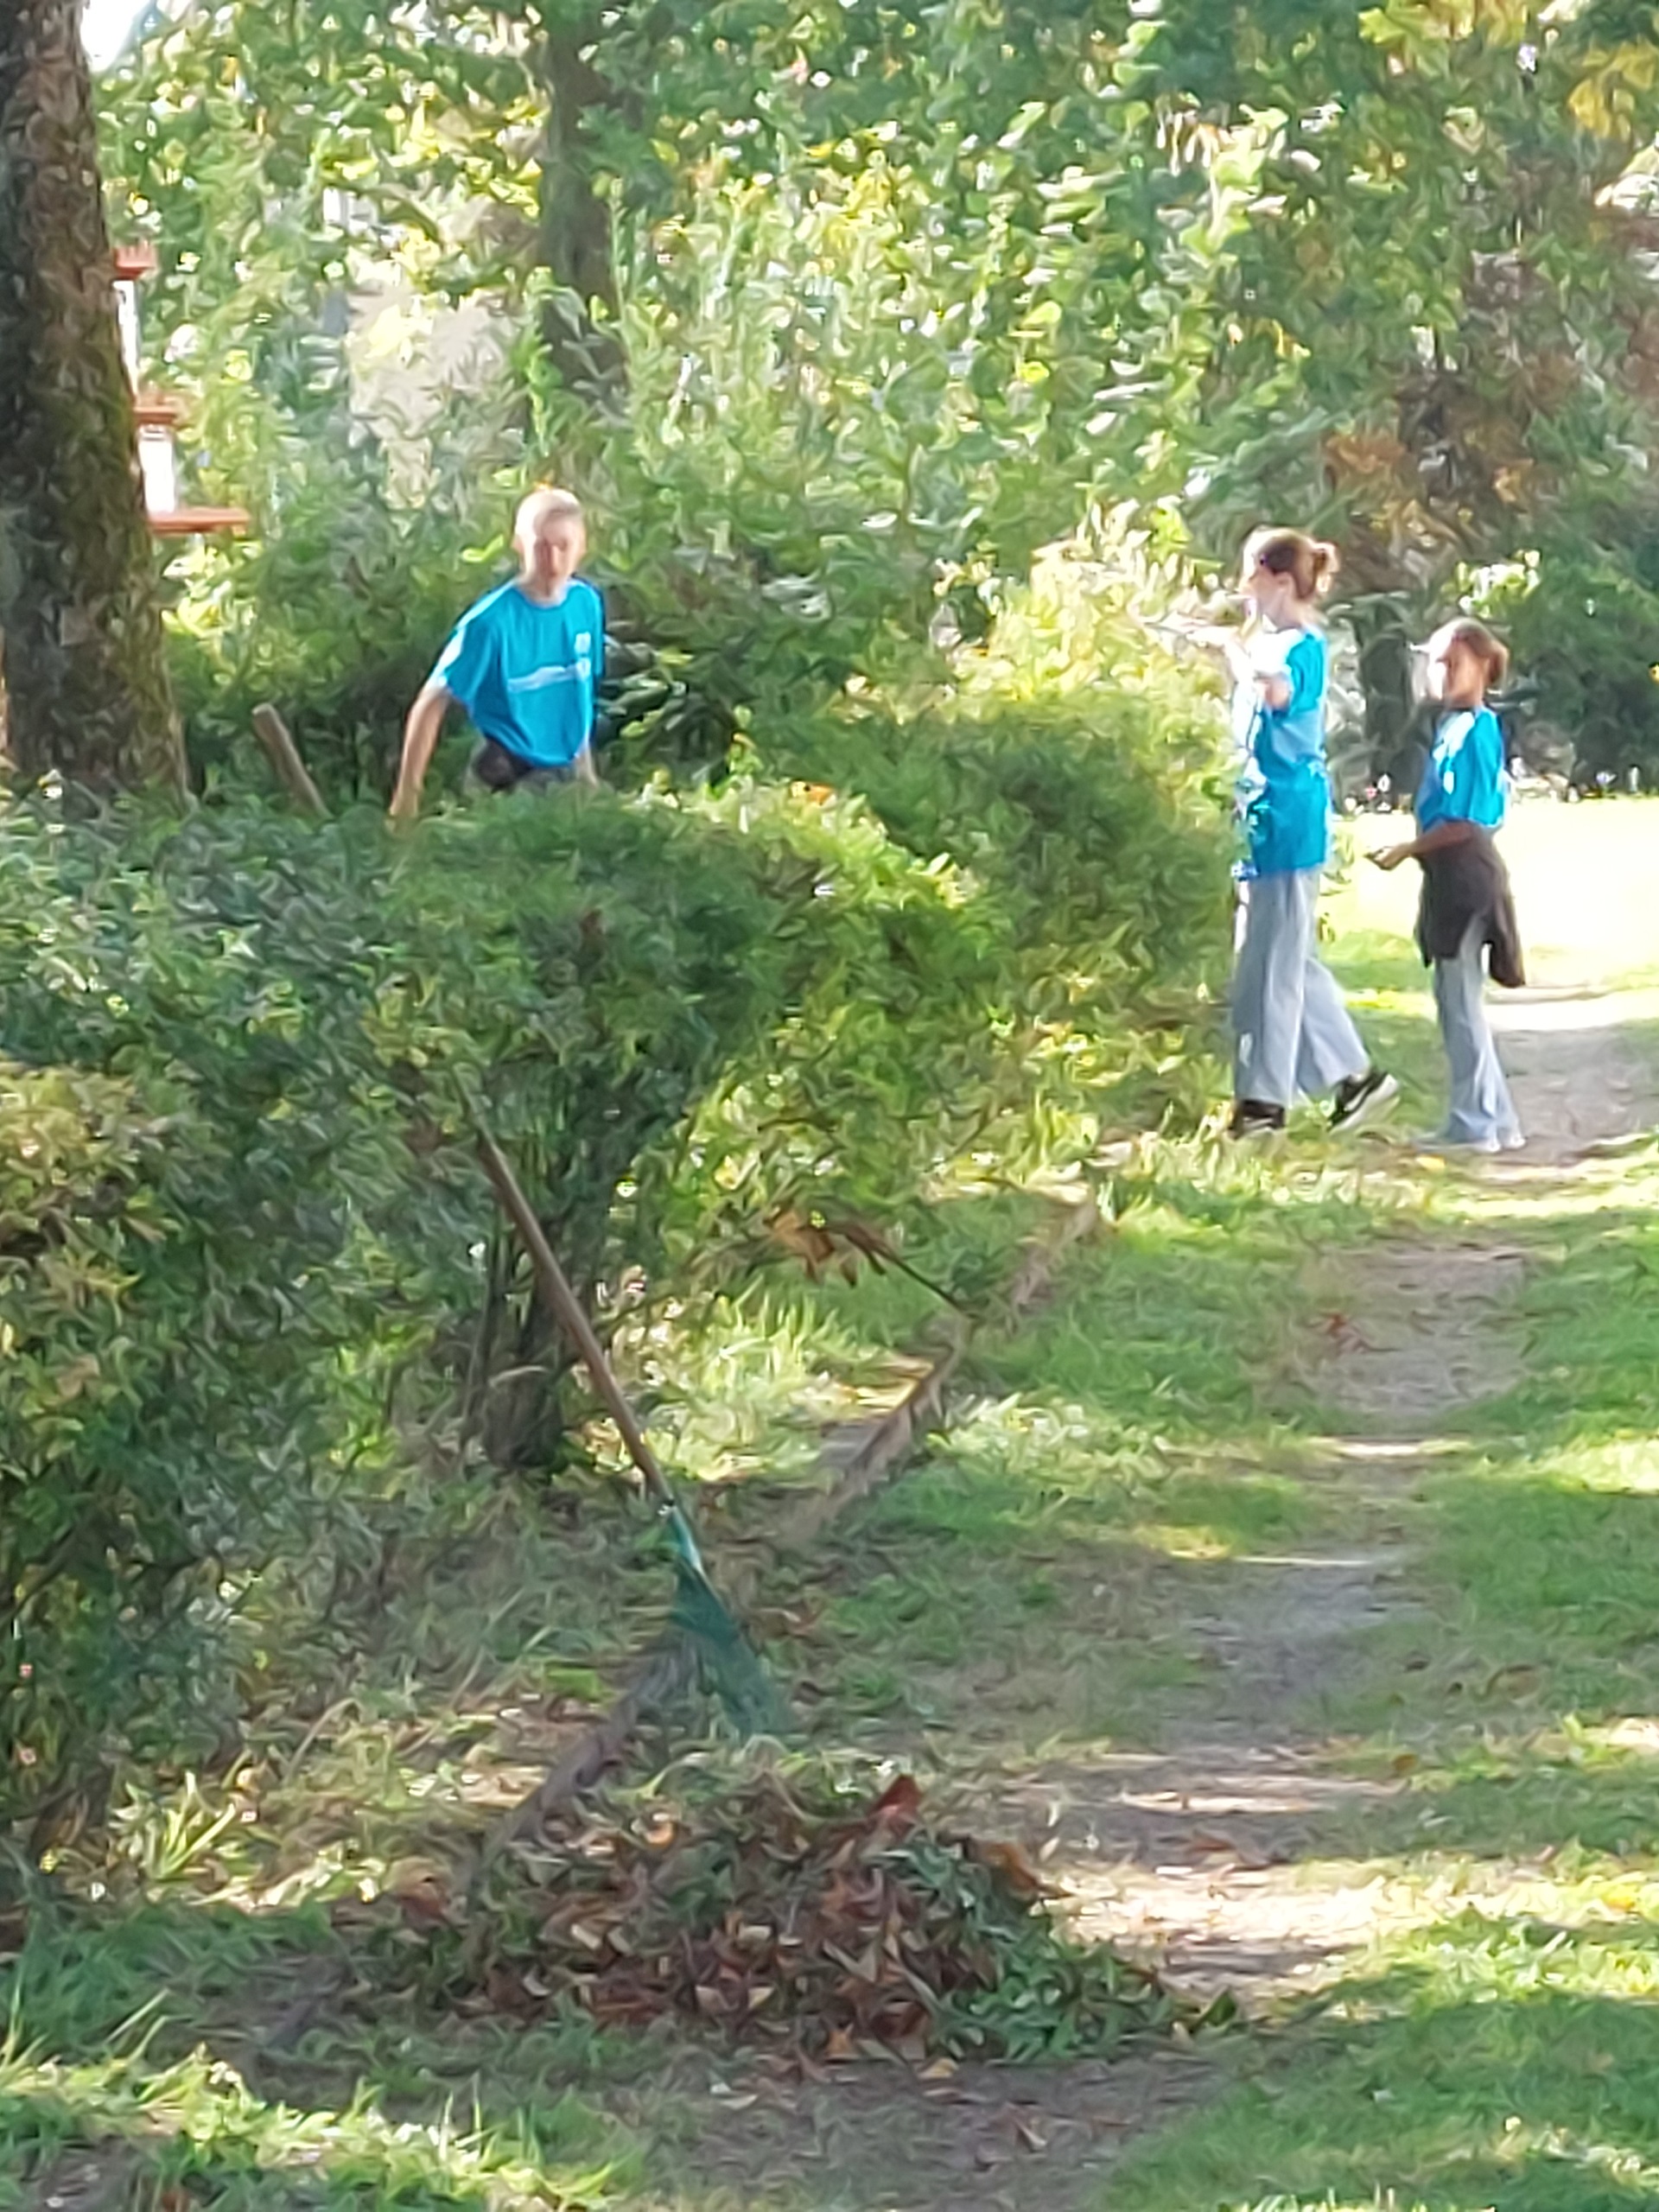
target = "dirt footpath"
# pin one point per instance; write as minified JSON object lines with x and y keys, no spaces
{"x":1235,"y":1857}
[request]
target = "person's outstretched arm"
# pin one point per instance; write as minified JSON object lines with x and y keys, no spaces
{"x":1457,"y":829}
{"x":420,"y":740}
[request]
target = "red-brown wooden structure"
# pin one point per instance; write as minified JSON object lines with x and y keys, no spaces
{"x":159,"y":414}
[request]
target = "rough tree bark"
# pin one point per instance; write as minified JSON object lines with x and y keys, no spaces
{"x":575,"y":220}
{"x":87,"y":686}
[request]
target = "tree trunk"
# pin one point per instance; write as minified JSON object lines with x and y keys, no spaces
{"x":79,"y":612}
{"x":1385,"y":672}
{"x":575,"y":221}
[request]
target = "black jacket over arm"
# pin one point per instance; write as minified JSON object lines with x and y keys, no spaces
{"x":1465,"y":883}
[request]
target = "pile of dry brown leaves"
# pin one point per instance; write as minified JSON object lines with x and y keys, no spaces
{"x":785,"y":1909}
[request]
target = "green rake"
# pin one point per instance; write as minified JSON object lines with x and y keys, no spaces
{"x":726,"y":1660}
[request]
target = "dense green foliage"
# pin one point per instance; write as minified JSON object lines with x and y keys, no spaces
{"x":877,"y":301}
{"x":241,"y":1047}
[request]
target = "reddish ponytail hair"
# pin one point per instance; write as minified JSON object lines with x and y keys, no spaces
{"x":1311,"y":563}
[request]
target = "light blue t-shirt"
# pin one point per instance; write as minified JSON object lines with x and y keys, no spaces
{"x":1285,"y":789}
{"x":526,"y":674}
{"x":1466,"y":779}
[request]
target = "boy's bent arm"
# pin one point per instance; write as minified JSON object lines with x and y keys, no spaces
{"x":420,"y":741}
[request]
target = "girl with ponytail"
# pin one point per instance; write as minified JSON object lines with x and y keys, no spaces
{"x":1293,"y":1036}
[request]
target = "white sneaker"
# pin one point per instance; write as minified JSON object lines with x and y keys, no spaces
{"x":1441,"y":1141}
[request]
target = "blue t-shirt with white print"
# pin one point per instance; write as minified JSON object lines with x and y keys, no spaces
{"x":526,"y":673}
{"x":1466,"y":779}
{"x":1285,"y":789}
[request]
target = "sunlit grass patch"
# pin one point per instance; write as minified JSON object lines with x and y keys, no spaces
{"x":1481,"y":1956}
{"x":213,"y":2053}
{"x":1628,"y":1466}
{"x":1173,"y":1319}
{"x":1131,"y":1433}
{"x":195,"y":2133}
{"x":1524,"y":1785}
{"x":1541,"y":1597}
{"x":1538,"y":1537}
{"x":1144,"y":1418}
{"x":744,"y":1386}
{"x":748,"y":1392}
{"x":1590,"y":1309}
{"x":1029,"y":1477}
{"x":1486,"y":2060}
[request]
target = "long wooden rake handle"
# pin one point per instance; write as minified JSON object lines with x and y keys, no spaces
{"x":556,"y":1288}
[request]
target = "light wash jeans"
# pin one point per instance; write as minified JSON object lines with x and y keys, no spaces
{"x":1481,"y":1107}
{"x":1293,"y":1034}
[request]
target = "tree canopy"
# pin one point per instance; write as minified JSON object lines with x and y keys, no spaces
{"x":838,"y":313}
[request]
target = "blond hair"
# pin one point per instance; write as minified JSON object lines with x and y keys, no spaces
{"x":547,"y":503}
{"x":1311,"y":563}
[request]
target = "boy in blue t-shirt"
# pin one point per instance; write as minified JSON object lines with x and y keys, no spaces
{"x":1465,"y":922}
{"x":524,"y":662}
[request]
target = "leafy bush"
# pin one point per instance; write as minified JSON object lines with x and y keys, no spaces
{"x":238,"y":1221}
{"x":1580,"y":618}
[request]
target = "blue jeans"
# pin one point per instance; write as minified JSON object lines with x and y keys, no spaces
{"x":1481,"y":1110}
{"x":1293,"y":1035}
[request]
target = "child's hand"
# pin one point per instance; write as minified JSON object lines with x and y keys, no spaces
{"x":1389,"y":857}
{"x":1225,"y":644}
{"x":1275,"y":689}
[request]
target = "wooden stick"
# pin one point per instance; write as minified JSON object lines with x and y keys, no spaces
{"x":557,"y":1290}
{"x":283,"y":755}
{"x":669,"y":1668}
{"x":883,"y":1446}
{"x":888,"y":1442}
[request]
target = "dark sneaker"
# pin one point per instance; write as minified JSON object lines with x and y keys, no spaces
{"x":1361,"y":1099}
{"x":1254,"y":1117}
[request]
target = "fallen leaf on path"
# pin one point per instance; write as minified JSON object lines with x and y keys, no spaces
{"x":1027,"y":2132}
{"x":1012,"y":1864}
